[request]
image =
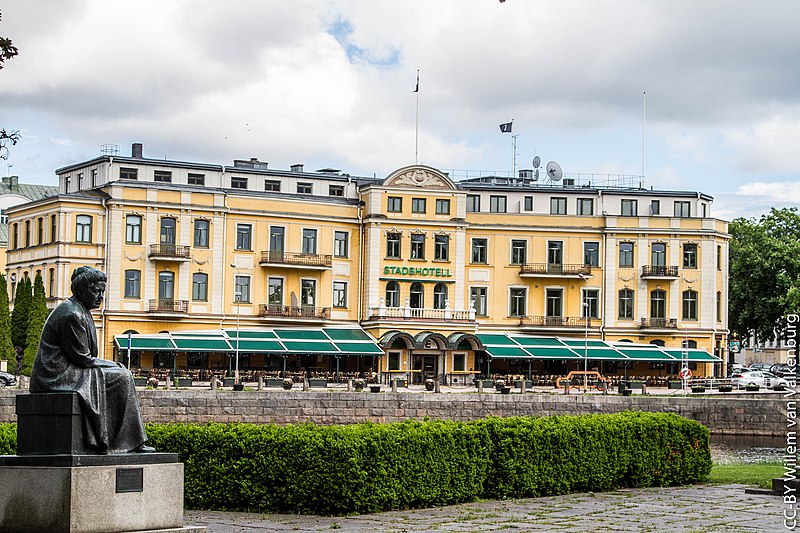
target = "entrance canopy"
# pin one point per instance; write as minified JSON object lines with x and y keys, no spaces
{"x":336,"y":341}
{"x":520,"y":346}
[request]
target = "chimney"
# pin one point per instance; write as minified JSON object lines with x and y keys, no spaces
{"x":296,"y":168}
{"x":136,"y":150}
{"x":13,"y":183}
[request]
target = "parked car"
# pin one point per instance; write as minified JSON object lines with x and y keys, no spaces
{"x":736,"y":368}
{"x":783,"y":370}
{"x":765,"y":380}
{"x":7,"y":379}
{"x":760,"y":367}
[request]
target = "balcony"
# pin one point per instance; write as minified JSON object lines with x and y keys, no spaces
{"x":658,"y":323}
{"x":291,"y":311}
{"x":169,"y":252}
{"x":295,"y":260}
{"x":553,"y":270}
{"x":419,"y":313}
{"x":555,"y":322}
{"x":659,"y":272}
{"x":163,"y":305}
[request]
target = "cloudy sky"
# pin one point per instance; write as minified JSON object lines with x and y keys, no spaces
{"x":700,"y":95}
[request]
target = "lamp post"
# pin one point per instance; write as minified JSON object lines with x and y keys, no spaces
{"x":585,"y":306}
{"x":237,"y":296}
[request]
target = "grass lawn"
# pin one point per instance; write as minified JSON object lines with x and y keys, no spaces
{"x":758,"y":474}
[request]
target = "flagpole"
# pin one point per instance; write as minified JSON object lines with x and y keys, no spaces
{"x":644,"y":129}
{"x":514,"y":155}
{"x":416,"y":128}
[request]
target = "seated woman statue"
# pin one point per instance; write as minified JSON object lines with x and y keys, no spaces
{"x":67,"y":361}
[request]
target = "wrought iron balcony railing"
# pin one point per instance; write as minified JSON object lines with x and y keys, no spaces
{"x":271,"y":257}
{"x":292,"y":311}
{"x":658,"y":323}
{"x":164,"y":305}
{"x":169,"y":251}
{"x":554,"y":269}
{"x":555,"y":321}
{"x":659,"y":271}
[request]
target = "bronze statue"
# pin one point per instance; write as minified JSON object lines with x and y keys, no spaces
{"x":67,"y":361}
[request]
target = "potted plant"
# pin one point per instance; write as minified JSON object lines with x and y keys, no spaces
{"x":505,"y":389}
{"x":698,"y":388}
{"x":375,"y":388}
{"x":358,"y":385}
{"x":751,"y":387}
{"x":287,"y":383}
{"x":627,"y":392}
{"x":725,"y":388}
{"x":430,"y":384}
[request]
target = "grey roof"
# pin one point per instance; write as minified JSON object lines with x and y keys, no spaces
{"x":34,"y":192}
{"x":3,"y":234}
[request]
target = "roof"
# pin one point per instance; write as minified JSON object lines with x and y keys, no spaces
{"x":33,"y":192}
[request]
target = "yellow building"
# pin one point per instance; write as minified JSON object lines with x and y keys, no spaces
{"x":447,"y":276}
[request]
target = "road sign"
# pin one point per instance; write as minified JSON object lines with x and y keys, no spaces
{"x":685,"y":373}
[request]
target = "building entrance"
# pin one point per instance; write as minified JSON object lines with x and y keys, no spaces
{"x":425,"y":367}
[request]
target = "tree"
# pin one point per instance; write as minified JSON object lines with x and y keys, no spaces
{"x":10,"y":138}
{"x":764,"y":274}
{"x":36,"y":317}
{"x":19,"y":316}
{"x":6,"y":348}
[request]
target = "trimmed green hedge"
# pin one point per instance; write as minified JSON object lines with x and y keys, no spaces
{"x":361,"y":468}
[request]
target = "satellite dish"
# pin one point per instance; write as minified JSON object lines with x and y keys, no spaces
{"x":536,"y":175}
{"x":536,"y":161}
{"x":554,"y":171}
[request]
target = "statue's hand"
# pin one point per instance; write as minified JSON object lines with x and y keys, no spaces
{"x":98,"y":363}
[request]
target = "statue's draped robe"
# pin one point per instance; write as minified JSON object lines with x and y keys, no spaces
{"x":66,"y":360}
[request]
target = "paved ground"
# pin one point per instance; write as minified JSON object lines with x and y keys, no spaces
{"x":699,"y":508}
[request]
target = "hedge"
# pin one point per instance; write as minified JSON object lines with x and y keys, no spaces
{"x":362,"y":468}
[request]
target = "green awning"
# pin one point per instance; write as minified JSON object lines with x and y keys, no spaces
{"x":302,"y":334}
{"x":200,"y":344}
{"x":145,"y":343}
{"x":692,"y":354}
{"x":258,"y":346}
{"x":640,"y":353}
{"x":359,"y":348}
{"x":507,"y":352}
{"x":554,"y":352}
{"x":347,"y":334}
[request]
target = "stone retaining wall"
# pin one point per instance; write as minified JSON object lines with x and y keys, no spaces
{"x":723,"y":415}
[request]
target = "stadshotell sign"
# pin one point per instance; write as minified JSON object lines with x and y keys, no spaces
{"x":417,"y":271}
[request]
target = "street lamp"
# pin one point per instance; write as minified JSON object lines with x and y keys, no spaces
{"x":585,"y":278}
{"x":237,"y":295}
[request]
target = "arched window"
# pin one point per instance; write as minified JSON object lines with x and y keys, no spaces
{"x":657,"y":342}
{"x":439,"y":296}
{"x":392,"y":294}
{"x":658,"y":304}
{"x":626,"y":303}
{"x":690,"y":305}
{"x":417,"y":295}
{"x":689,"y":343}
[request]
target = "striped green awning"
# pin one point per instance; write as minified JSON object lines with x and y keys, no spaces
{"x":160,"y":342}
{"x":642,"y":352}
{"x":692,"y":354}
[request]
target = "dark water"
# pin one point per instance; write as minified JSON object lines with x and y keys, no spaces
{"x":726,"y":449}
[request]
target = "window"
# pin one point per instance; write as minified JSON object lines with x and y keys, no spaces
{"x":309,"y":241}
{"x":335,"y":190}
{"x":558,"y":206}
{"x":241,"y":289}
{"x":167,"y":234}
{"x":473,"y":203}
{"x":304,"y":188}
{"x":591,"y":254}
{"x":275,"y":293}
{"x":238,"y":182}
{"x":626,"y":303}
{"x":442,"y":206}
{"x":479,"y":300}
{"x":683,"y":209}
{"x":658,"y":254}
{"x":585,"y":206}
{"x":439,"y":296}
{"x":243,"y":236}
{"x":133,"y":280}
{"x":272,"y":186}
{"x":394,"y":360}
{"x":719,"y":306}
{"x":497,"y":204}
{"x":52,"y":285}
{"x":276,"y":238}
{"x":40,"y":231}
{"x":14,"y":240}
{"x":200,"y":287}
{"x":555,"y":253}
{"x":719,"y":257}
{"x":196,"y":179}
{"x":704,"y":210}
{"x":393,"y":246}
{"x":53,"y":228}
{"x":658,"y":304}
{"x":417,"y":295}
{"x":27,"y":233}
{"x":163,"y":176}
{"x":528,"y":203}
{"x":83,"y":228}
{"x":517,"y":301}
{"x":201,"y":227}
{"x":441,"y":248}
{"x":94,"y":177}
{"x":625,"y":254}
{"x":519,"y":252}
{"x":479,"y":251}
{"x":690,"y":305}
{"x":418,"y":246}
{"x":339,"y":294}
{"x":340,"y":248}
{"x":655,"y":207}
{"x":591,"y":308}
{"x":689,"y":255}
{"x":133,"y":229}
{"x":128,"y":173}
{"x":418,"y":205}
{"x":554,"y":300}
{"x":392,"y":294}
{"x":459,"y":362}
{"x":629,"y":208}
{"x":80,"y":181}
{"x":394,"y":204}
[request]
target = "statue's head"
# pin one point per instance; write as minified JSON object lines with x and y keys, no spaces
{"x":89,"y":286}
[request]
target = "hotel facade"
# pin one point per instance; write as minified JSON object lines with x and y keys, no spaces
{"x":441,"y":277}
